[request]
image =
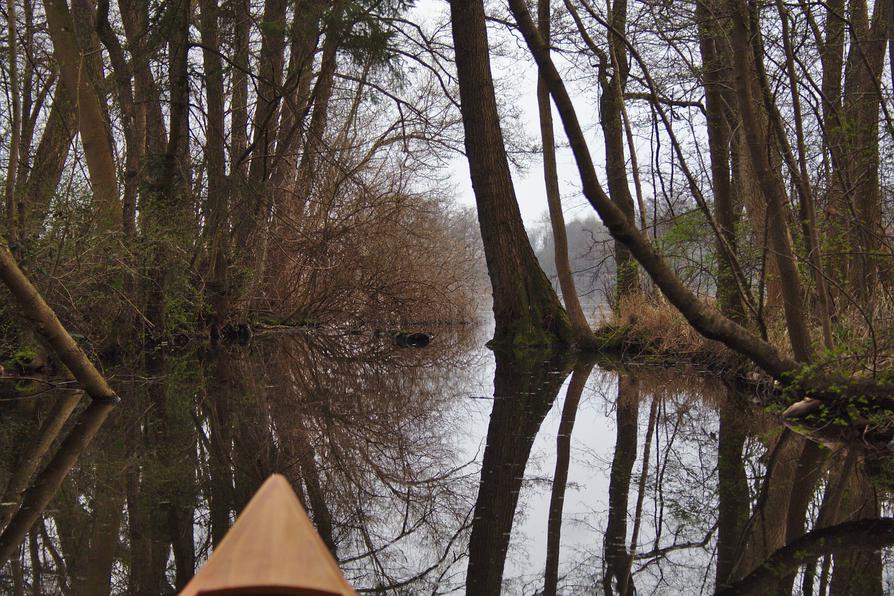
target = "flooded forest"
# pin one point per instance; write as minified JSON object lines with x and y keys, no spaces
{"x":251,"y":237}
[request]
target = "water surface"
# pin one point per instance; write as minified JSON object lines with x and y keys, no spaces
{"x":446,"y":469}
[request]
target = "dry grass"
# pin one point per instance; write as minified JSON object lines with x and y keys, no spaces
{"x":651,"y":326}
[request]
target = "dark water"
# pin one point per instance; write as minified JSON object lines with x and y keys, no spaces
{"x":446,"y":469}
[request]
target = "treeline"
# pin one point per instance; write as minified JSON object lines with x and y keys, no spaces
{"x":685,"y":242}
{"x":172,"y":166}
{"x":774,"y":136}
{"x":196,"y":163}
{"x":590,"y":256}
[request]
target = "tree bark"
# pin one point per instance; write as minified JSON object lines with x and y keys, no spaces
{"x":43,"y":321}
{"x":611,"y":103}
{"x":719,"y":99}
{"x":217,"y":202}
{"x":49,"y":162}
{"x":93,"y":125}
{"x":855,"y":226}
{"x":15,"y":96}
{"x":526,"y":309}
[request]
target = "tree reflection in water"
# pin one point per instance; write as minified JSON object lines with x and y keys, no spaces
{"x":643,"y":481}
{"x":361,"y":428}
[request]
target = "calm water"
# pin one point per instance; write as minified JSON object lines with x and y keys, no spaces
{"x":447,"y":469}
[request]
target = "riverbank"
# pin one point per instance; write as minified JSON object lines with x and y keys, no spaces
{"x":651,"y":331}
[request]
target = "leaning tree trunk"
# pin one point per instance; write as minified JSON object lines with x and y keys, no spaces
{"x":526,"y":309}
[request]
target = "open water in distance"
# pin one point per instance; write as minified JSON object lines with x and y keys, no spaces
{"x":445,"y":469}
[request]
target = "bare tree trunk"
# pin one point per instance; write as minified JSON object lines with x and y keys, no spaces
{"x":217,"y":203}
{"x":253,"y":204}
{"x":719,"y":99}
{"x":93,"y":125}
{"x":293,"y":122}
{"x":314,"y":143}
{"x":611,"y":107}
{"x":165,"y":201}
{"x":43,"y":321}
{"x":856,"y":232}
{"x":12,"y":217}
{"x":526,"y":309}
{"x":149,"y":118}
{"x":771,"y":184}
{"x":134,"y":142}
{"x":807,"y":207}
{"x":49,"y":161}
{"x":553,"y":198}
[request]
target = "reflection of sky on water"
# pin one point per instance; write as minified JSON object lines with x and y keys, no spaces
{"x":592,"y":443}
{"x":359,"y":403}
{"x":586,"y":499}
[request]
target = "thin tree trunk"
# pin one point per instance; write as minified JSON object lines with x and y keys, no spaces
{"x":134,"y":143}
{"x":93,"y":125}
{"x":716,"y":57}
{"x":217,"y":203}
{"x":314,"y":142}
{"x":239,"y":88}
{"x":49,"y":163}
{"x":165,"y":201}
{"x":12,"y":217}
{"x":553,"y":198}
{"x":807,"y":197}
{"x":610,"y":109}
